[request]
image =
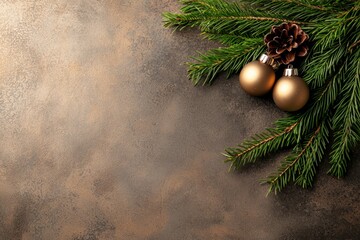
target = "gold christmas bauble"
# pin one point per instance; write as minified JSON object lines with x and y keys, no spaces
{"x":290,"y":93}
{"x":257,"y":78}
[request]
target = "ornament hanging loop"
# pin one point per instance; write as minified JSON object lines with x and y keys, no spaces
{"x":291,"y":71}
{"x":266,"y":59}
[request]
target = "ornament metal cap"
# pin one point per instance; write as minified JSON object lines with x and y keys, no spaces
{"x":291,"y":71}
{"x":266,"y":59}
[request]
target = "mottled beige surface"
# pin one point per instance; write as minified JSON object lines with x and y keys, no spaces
{"x":103,"y":137}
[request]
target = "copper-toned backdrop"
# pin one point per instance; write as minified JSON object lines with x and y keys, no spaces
{"x":103,"y":137}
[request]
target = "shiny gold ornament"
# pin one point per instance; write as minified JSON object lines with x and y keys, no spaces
{"x":257,"y":78}
{"x":290,"y":92}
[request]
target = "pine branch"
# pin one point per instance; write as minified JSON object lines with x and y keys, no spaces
{"x":323,"y":5}
{"x":229,"y":59}
{"x":336,"y":31}
{"x":260,"y":145}
{"x":320,"y":103}
{"x":306,"y":4}
{"x":322,"y":65}
{"x":346,"y":120}
{"x":304,"y":11}
{"x":300,"y":165}
{"x":219,"y":16}
{"x":247,"y":25}
{"x":314,"y":156}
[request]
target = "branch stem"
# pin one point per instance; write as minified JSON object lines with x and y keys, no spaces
{"x":245,"y":18}
{"x":298,"y":157}
{"x":354,"y":45}
{"x":303,"y":4}
{"x":287,"y":130}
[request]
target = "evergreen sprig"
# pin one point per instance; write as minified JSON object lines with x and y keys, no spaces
{"x":300,"y":165}
{"x":346,"y":120}
{"x":229,"y":59}
{"x":331,"y":69}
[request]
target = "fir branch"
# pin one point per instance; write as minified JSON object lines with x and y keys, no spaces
{"x":229,"y":59}
{"x":330,"y":5}
{"x":315,"y":155}
{"x":336,"y":31}
{"x":319,"y":5}
{"x":320,"y":103}
{"x":346,"y":119}
{"x":320,"y":66}
{"x":219,"y":16}
{"x":300,"y":165}
{"x":301,"y":10}
{"x":262,"y":144}
{"x":221,"y":24}
{"x":289,"y":167}
{"x":304,"y":4}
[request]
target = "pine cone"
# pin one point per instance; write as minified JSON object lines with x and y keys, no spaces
{"x":285,"y":42}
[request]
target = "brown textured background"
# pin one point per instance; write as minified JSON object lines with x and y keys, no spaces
{"x":103,"y":137}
